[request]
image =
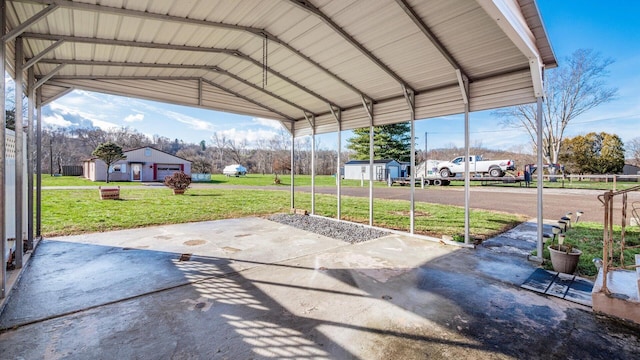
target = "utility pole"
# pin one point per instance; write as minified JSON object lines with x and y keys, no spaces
{"x":425,"y":147}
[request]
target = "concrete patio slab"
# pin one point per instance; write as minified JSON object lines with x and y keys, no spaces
{"x":394,"y":297}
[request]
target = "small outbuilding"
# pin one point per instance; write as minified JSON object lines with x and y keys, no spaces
{"x":141,"y":164}
{"x":359,"y":169}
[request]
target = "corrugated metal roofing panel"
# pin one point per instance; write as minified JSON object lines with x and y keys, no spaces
{"x":326,"y":66}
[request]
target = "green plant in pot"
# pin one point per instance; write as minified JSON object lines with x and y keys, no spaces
{"x":179,"y":182}
{"x":564,"y":257}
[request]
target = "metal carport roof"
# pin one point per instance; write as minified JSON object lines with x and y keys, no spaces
{"x":317,"y":66}
{"x":291,"y":61}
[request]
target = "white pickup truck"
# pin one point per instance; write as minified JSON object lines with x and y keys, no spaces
{"x":495,"y":168}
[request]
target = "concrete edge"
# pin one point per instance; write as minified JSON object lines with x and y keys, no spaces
{"x":404,"y":233}
{"x":14,"y":276}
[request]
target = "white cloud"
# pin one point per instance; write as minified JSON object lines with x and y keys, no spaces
{"x":194,"y":123}
{"x":56,"y":120}
{"x":251,"y":136}
{"x":134,"y":117}
{"x":274,"y":124}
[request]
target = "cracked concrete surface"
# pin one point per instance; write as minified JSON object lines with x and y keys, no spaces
{"x":286,"y":293}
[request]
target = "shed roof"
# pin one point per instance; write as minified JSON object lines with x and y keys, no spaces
{"x":297,"y":61}
{"x":366,"y":162}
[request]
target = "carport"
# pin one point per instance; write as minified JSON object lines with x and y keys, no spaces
{"x":317,"y":66}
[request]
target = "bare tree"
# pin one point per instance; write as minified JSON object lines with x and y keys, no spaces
{"x":633,"y":148}
{"x":571,"y":90}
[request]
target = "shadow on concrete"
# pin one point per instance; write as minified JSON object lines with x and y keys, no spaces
{"x":78,"y":300}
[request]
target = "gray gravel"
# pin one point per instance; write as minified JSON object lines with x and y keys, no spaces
{"x":351,"y":233}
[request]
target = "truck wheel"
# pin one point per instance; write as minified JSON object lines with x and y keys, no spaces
{"x":445,"y":173}
{"x":495,"y":172}
{"x":437,"y":182}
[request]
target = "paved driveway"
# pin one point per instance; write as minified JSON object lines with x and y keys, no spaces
{"x":255,"y":289}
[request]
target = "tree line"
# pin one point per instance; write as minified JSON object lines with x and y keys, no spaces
{"x":70,"y":147}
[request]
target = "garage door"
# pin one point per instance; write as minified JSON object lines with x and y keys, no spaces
{"x":167,"y":170}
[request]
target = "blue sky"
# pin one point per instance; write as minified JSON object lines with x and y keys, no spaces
{"x":610,"y":28}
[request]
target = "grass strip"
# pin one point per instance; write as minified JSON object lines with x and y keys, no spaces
{"x":66,"y":212}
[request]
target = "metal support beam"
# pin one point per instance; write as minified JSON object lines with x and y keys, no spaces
{"x":236,"y":54}
{"x":368,"y":106}
{"x":540,"y":183}
{"x":21,"y":28}
{"x":337,"y":114}
{"x":256,"y":32}
{"x":31,"y":98}
{"x":307,"y":6}
{"x":45,"y":78}
{"x":200,"y":92}
{"x":293,"y":164}
{"x":42,"y":54}
{"x":39,"y":164}
{"x":411,"y":102}
{"x":19,"y":150}
{"x":312,"y":121}
{"x":430,"y":35}
{"x":223,"y":88}
{"x":3,"y":154}
{"x":467,"y":172}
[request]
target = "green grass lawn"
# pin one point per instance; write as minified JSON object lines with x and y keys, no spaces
{"x":320,"y":180}
{"x":587,"y":236}
{"x":67,"y":212}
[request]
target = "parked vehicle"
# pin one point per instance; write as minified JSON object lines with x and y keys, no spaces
{"x":235,"y":170}
{"x":494,"y":168}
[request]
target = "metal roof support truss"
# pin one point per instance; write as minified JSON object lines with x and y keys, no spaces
{"x":307,"y":6}
{"x":262,"y":33}
{"x":230,"y":52}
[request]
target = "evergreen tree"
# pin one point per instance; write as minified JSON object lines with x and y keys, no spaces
{"x":389,"y":142}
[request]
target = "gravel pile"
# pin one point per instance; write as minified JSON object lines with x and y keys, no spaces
{"x":351,"y":233}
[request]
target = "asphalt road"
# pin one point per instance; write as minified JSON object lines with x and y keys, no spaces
{"x":556,"y":202}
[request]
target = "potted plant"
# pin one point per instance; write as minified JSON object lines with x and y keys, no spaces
{"x":564,"y":258}
{"x":179,"y":182}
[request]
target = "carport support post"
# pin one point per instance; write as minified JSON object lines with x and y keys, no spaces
{"x":464,"y":87}
{"x":19,"y":152}
{"x":411,"y":101}
{"x":540,"y":177}
{"x":312,"y":122}
{"x":30,"y":106}
{"x":368,"y":106}
{"x":3,"y":230}
{"x":39,"y":163}
{"x":337,"y":114}
{"x":293,"y":164}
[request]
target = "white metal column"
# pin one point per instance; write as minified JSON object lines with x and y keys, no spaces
{"x":19,"y":152}
{"x":3,"y":189}
{"x":337,"y":114}
{"x":39,"y":164}
{"x":411,"y":101}
{"x":312,"y":122}
{"x":540,"y":177}
{"x":31,"y":98}
{"x":293,"y":164}
{"x":463,"y":81}
{"x":368,"y":106}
